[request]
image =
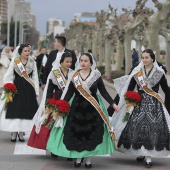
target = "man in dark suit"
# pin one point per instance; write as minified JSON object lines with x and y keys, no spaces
{"x":135,"y":57}
{"x":41,"y":61}
{"x":59,"y":45}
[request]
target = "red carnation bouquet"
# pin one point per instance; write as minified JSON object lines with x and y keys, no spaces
{"x":54,"y":109}
{"x":10,"y":91}
{"x":132,"y":98}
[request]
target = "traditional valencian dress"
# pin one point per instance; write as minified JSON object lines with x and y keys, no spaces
{"x":147,"y":132}
{"x":86,"y":131}
{"x":56,"y":82}
{"x":18,"y":115}
{"x":4,"y":64}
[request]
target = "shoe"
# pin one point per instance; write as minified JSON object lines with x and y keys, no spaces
{"x":69,"y":159}
{"x":13,"y":136}
{"x":140,"y":158}
{"x":54,"y":155}
{"x":88,"y":165}
{"x":13,"y":140}
{"x":20,"y":137}
{"x":77,"y":165}
{"x":148,"y":164}
{"x":82,"y":160}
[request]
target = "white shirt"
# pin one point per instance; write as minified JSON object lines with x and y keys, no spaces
{"x":59,"y":54}
{"x":44,"y":60}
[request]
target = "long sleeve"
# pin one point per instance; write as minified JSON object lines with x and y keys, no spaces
{"x":70,"y":92}
{"x":48,"y":66}
{"x":110,"y":109}
{"x":166,"y":90}
{"x":35,"y":79}
{"x":103,"y":91}
{"x":50,"y":89}
{"x":39,"y":61}
{"x":9,"y":75}
{"x":132,"y":84}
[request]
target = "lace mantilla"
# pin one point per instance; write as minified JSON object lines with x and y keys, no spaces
{"x":153,"y":79}
{"x":29,"y":66}
{"x":95,"y":74}
{"x":119,"y":83}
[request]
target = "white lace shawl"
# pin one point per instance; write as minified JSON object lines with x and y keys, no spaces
{"x":116,"y":122}
{"x":4,"y":58}
{"x":95,"y":74}
{"x":15,"y":52}
{"x":31,"y":66}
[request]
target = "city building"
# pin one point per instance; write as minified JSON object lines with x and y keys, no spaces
{"x":3,"y":10}
{"x":84,"y":17}
{"x":77,"y":17}
{"x":17,"y":11}
{"x":59,"y":30}
{"x":3,"y":17}
{"x":55,"y":26}
{"x":87,"y":17}
{"x":33,"y":20}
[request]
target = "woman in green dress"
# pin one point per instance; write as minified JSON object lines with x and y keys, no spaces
{"x":86,"y":131}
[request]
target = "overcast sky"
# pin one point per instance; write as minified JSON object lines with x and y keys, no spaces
{"x":65,"y":9}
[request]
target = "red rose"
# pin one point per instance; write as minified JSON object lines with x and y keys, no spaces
{"x":58,"y":105}
{"x":132,"y":96}
{"x":10,"y":87}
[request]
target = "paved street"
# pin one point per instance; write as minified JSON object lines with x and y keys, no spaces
{"x":18,"y":156}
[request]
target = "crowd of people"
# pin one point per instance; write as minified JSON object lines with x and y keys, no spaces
{"x":139,"y":122}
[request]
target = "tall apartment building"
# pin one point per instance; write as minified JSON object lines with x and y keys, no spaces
{"x":3,"y":10}
{"x":3,"y":16}
{"x":52,"y":23}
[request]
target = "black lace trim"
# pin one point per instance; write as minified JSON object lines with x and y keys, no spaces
{"x":86,"y":77}
{"x":146,"y":127}
{"x":84,"y":128}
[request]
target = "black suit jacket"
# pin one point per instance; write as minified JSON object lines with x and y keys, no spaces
{"x":39,"y":60}
{"x":51,"y":59}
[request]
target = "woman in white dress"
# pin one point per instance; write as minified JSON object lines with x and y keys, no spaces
{"x":5,"y":58}
{"x":18,"y":114}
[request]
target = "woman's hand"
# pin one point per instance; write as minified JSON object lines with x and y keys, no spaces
{"x":43,"y":87}
{"x":115,"y":106}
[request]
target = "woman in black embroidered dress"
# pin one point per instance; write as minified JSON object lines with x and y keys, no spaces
{"x":147,"y":132}
{"x":84,"y":133}
{"x":19,"y":113}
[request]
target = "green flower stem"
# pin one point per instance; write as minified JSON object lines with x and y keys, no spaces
{"x":126,"y":117}
{"x":50,"y":124}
